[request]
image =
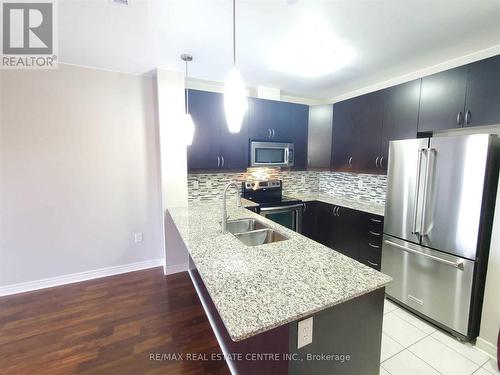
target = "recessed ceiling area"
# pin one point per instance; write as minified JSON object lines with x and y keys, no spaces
{"x":311,"y":49}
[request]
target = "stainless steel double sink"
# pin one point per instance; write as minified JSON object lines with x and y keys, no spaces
{"x":252,"y":232}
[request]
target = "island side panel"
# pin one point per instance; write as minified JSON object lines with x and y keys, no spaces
{"x":352,"y":328}
{"x":275,"y":341}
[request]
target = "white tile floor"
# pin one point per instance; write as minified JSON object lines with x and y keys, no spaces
{"x":411,"y":346}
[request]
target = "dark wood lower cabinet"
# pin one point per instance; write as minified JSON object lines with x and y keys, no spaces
{"x":356,"y":234}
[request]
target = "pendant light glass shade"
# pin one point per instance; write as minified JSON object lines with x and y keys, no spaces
{"x":235,"y":100}
{"x":188,"y":125}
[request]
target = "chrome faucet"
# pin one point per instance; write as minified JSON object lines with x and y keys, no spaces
{"x":224,"y":209}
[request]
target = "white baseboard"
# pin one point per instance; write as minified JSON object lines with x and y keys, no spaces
{"x":77,"y":277}
{"x":175,"y":268}
{"x":487,"y":347}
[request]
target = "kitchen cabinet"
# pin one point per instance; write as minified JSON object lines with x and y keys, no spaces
{"x":319,"y":140}
{"x":357,"y":128}
{"x":309,"y":220}
{"x":442,"y":100}
{"x":353,"y":233}
{"x":276,"y":121}
{"x":400,"y":121}
{"x":482,"y":105}
{"x":214,"y":147}
{"x":370,"y":233}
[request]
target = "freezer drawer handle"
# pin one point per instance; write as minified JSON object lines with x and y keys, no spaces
{"x":459,"y":264}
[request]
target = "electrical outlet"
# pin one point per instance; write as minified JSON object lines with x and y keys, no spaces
{"x":305,"y":332}
{"x":196,"y":184}
{"x":138,"y":237}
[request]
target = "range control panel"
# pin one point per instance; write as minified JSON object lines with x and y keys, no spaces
{"x":258,"y":185}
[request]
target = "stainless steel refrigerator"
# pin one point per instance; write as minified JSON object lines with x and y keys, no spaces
{"x":438,"y":220}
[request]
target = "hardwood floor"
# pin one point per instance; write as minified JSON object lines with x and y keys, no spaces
{"x":108,"y":326}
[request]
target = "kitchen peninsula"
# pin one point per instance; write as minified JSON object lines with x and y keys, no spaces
{"x":256,"y":295}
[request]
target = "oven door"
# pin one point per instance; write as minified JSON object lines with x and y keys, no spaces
{"x":271,"y":154}
{"x":288,"y":216}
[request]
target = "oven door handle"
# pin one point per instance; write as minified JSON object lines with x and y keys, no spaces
{"x":293,"y":207}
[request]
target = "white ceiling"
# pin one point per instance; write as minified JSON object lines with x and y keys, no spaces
{"x":385,"y":38}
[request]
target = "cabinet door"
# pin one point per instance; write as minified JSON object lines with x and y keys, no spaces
{"x":206,"y":109}
{"x":324,"y":224}
{"x":368,"y":130}
{"x":357,"y":128}
{"x":345,"y":231}
{"x":260,"y":116}
{"x":234,"y":147}
{"x":319,"y":140}
{"x":297,"y":129}
{"x":442,"y":100}
{"x":343,"y":136}
{"x":309,"y":220}
{"x":400,"y":116}
{"x":483,"y":93}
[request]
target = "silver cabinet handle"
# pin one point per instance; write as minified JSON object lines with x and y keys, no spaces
{"x":269,"y":133}
{"x":459,"y":264}
{"x":222,"y":157}
{"x":415,"y":197}
{"x":350,"y":161}
{"x":372,"y":264}
{"x":333,"y":210}
{"x":459,"y":118}
{"x":380,"y":162}
{"x":273,"y":132}
{"x":305,"y":207}
{"x":218,"y":161}
{"x":338,"y":211}
{"x":467,"y":117}
{"x":375,"y":220}
{"x":374,"y":233}
{"x":376,"y":161}
{"x":374,"y":246}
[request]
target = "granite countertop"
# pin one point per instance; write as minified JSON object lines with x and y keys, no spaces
{"x":259,"y":288}
{"x":356,"y":204}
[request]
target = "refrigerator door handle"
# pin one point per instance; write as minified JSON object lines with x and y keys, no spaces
{"x":427,"y":183}
{"x":459,"y":264}
{"x":417,"y":186}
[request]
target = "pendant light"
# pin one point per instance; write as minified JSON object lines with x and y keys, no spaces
{"x":187,"y":122}
{"x":235,"y":99}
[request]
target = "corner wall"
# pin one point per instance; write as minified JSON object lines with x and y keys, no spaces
{"x":78,"y":171}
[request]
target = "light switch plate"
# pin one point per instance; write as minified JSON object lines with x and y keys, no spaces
{"x":138,"y":237}
{"x":305,"y":332}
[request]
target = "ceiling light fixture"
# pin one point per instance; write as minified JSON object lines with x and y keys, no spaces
{"x":188,"y":123}
{"x":311,"y":49}
{"x":235,"y":98}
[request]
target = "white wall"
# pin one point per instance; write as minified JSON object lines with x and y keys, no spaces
{"x":79,"y":172}
{"x":170,"y":88}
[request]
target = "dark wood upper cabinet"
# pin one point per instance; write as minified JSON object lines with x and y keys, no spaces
{"x":206,"y":109}
{"x":401,"y":104}
{"x":442,"y":100}
{"x":483,"y":93}
{"x":357,"y":127}
{"x":214,"y":147}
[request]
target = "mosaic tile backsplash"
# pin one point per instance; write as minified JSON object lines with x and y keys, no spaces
{"x":208,"y":186}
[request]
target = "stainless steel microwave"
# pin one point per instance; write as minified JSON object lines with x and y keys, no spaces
{"x":271,"y":154}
